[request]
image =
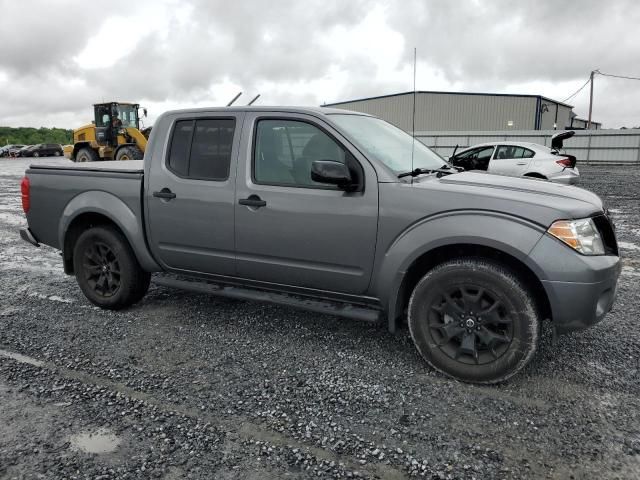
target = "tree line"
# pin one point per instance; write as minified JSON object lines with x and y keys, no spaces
{"x":32,"y":136}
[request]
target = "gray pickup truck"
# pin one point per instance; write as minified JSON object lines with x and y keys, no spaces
{"x":336,"y":212}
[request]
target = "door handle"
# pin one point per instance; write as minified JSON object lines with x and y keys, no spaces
{"x":521,"y":163}
{"x":252,"y":201}
{"x":165,"y":193}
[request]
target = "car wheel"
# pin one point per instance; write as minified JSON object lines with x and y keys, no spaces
{"x":87,"y":155}
{"x":129,"y":153}
{"x":474,"y":320}
{"x":56,"y":154}
{"x":107,"y":270}
{"x":36,"y":154}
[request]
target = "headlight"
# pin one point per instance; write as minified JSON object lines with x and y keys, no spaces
{"x":581,"y":235}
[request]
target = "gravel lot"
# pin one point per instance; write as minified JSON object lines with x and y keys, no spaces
{"x":187,"y":385}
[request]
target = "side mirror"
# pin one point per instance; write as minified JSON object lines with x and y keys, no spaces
{"x":333,"y":173}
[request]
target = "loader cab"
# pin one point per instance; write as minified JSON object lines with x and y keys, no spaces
{"x":110,"y":117}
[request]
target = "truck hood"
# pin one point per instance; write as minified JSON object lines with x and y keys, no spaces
{"x":538,"y":200}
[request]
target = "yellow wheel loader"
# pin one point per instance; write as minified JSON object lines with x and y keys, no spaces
{"x":113,"y":135}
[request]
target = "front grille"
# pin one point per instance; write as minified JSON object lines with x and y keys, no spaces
{"x":605,"y":227}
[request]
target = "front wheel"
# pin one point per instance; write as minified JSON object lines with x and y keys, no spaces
{"x":36,"y":154}
{"x":474,"y":320}
{"x":107,"y":270}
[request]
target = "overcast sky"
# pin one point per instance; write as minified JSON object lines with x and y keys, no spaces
{"x":57,"y":58}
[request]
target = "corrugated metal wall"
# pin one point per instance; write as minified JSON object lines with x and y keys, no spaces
{"x":589,"y":146}
{"x":460,"y":111}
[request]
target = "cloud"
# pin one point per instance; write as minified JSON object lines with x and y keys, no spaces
{"x":169,"y":53}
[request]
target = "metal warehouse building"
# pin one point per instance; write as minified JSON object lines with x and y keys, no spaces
{"x":453,"y":111}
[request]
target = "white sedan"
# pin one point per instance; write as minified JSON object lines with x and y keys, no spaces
{"x":520,"y":159}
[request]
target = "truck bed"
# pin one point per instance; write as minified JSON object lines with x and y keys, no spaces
{"x":92,"y":186}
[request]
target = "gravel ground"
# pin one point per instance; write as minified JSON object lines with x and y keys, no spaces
{"x":189,"y":386}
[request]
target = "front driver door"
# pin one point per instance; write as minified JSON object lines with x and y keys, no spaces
{"x":291,"y":230}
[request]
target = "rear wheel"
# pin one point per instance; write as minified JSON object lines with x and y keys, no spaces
{"x":129,"y":153}
{"x":107,"y":271}
{"x":474,"y":320}
{"x":56,"y":154}
{"x":36,"y":154}
{"x":87,"y":154}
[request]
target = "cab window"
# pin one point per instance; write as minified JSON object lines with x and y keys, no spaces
{"x":285,"y":149}
{"x":201,"y":149}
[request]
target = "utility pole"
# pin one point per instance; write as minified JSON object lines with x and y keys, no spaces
{"x":590,"y":99}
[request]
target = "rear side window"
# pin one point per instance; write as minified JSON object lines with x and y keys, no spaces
{"x":511,"y":151}
{"x":201,"y":149}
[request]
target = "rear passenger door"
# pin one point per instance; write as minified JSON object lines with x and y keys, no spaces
{"x":511,"y":160}
{"x":190,"y":194}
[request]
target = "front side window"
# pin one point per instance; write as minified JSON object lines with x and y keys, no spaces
{"x":201,"y":149}
{"x":285,"y":149}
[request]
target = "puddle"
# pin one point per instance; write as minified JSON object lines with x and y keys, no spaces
{"x":99,"y":441}
{"x":21,"y":358}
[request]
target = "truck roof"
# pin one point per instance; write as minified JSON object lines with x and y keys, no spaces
{"x":287,"y":109}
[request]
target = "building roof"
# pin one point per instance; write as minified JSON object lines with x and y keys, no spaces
{"x":449,"y":93}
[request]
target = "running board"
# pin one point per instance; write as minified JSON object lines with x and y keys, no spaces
{"x":339,"y":309}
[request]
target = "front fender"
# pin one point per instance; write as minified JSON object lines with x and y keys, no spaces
{"x":512,"y":235}
{"x":119,"y":213}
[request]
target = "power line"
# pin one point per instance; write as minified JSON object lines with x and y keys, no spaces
{"x":617,"y":76}
{"x":577,"y":91}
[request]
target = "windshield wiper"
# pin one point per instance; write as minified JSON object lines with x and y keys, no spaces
{"x":444,"y":170}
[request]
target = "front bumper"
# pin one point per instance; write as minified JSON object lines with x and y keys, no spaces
{"x":581,"y":289}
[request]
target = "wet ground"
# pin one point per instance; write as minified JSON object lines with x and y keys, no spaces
{"x":188,"y":386}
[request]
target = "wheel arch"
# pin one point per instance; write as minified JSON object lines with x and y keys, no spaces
{"x":500,"y":237}
{"x":77,"y":146}
{"x":535,"y":175}
{"x":101,"y":208}
{"x":430,"y":259}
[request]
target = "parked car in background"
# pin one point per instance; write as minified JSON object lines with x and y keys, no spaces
{"x":7,"y":149}
{"x":522,"y":159}
{"x":13,"y":151}
{"x":42,"y":150}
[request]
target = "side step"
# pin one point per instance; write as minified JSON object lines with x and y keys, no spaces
{"x":339,"y":309}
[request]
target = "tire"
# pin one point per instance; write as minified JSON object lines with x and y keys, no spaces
{"x":56,"y":154}
{"x":99,"y":253}
{"x":36,"y":154}
{"x":87,"y":154}
{"x":130,"y":152}
{"x":488,"y":345}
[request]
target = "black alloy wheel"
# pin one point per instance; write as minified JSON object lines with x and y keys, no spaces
{"x":474,"y":319}
{"x":470,"y":324}
{"x":101,"y":269}
{"x":107,"y":269}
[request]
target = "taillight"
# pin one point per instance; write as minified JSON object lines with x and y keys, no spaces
{"x":568,"y":162}
{"x":25,"y":188}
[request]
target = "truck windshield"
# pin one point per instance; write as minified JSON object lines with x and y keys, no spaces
{"x":388,"y":144}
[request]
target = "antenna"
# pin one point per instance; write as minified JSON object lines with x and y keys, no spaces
{"x":254,"y":99}
{"x":234,"y":99}
{"x":413,"y":118}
